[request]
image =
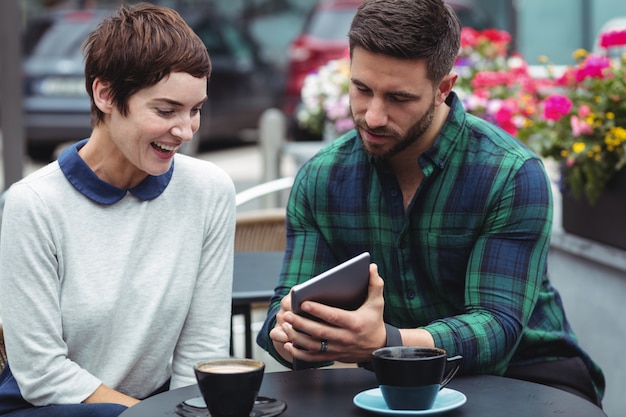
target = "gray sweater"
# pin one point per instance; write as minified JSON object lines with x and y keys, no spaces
{"x":127,"y":294}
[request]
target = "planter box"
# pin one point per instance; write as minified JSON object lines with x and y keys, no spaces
{"x":604,"y":222}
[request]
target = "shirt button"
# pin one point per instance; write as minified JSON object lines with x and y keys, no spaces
{"x":410,"y":294}
{"x":394,"y":193}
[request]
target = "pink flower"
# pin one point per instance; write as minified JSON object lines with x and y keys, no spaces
{"x":469,"y":37}
{"x":584,"y":111}
{"x":593,"y":67}
{"x":580,"y":127}
{"x":556,"y":106}
{"x":504,"y":118}
{"x":613,"y":38}
{"x":486,"y":79}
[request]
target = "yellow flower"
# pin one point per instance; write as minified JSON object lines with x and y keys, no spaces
{"x":579,"y":54}
{"x":610,"y":115}
{"x":615,"y":137}
{"x":578,"y":147}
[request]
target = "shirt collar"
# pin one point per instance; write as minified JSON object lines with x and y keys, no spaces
{"x":87,"y":182}
{"x":445,"y":143}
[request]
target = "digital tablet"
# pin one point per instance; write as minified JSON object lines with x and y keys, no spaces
{"x":344,"y":286}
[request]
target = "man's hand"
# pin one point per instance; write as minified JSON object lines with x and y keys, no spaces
{"x":350,"y":336}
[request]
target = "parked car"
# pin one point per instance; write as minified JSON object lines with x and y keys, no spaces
{"x":57,"y":107}
{"x":325,"y":36}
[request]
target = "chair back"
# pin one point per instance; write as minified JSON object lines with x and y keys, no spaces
{"x":261,"y":229}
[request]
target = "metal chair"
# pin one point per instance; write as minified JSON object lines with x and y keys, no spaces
{"x":260,"y":230}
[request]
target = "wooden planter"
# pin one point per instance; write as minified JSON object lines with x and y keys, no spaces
{"x":604,"y":222}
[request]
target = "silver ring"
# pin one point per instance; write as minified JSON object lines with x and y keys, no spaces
{"x":324,"y":347}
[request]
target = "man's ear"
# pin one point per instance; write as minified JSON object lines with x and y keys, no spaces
{"x":102,"y":96}
{"x":445,"y":87}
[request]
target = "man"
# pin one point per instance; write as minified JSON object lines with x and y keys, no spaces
{"x":455,"y":212}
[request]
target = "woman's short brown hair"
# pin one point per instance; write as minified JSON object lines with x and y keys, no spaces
{"x":136,"y":48}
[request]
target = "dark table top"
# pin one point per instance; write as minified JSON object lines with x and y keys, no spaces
{"x":329,"y":393}
{"x":255,"y":276}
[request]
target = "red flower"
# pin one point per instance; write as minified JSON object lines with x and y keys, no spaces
{"x":495,"y":35}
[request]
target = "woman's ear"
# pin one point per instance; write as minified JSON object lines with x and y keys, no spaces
{"x":102,"y":96}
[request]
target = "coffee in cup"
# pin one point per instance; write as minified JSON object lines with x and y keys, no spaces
{"x":229,"y":386}
{"x":410,"y":377}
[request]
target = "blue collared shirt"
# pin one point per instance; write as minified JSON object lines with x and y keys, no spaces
{"x":87,"y":182}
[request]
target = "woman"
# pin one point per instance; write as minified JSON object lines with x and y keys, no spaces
{"x":116,"y":259}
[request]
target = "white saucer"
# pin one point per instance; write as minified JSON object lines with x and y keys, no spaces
{"x":372,"y":400}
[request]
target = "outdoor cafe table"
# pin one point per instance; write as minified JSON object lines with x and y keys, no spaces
{"x":329,"y":393}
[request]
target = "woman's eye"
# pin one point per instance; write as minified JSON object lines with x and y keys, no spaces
{"x":163,"y":112}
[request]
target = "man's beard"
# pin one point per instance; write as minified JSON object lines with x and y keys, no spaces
{"x":414,"y":133}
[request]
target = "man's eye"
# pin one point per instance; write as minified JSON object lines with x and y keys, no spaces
{"x":400,"y":99}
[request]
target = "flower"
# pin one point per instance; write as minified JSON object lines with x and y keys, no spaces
{"x":325,"y":98}
{"x":582,"y":122}
{"x":492,"y":84}
{"x":577,"y":118}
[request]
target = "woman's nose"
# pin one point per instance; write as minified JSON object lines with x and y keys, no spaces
{"x":185,"y":128}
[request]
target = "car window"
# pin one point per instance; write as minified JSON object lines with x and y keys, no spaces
{"x":225,"y":41}
{"x":331,"y":24}
{"x":474,"y":18}
{"x":64,"y":38}
{"x":212,"y":40}
{"x":241,"y":49}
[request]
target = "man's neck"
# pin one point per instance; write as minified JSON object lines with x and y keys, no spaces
{"x":405,"y":165}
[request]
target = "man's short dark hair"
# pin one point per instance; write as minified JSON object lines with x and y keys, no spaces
{"x":409,"y":29}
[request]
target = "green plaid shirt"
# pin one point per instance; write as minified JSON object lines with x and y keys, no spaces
{"x":466,"y":261}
